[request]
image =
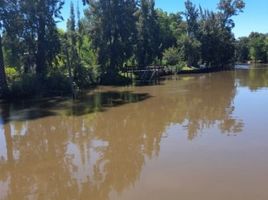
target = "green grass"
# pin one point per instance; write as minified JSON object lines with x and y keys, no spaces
{"x":186,"y":68}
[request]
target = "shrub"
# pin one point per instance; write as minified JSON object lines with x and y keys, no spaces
{"x":11,"y":73}
{"x":171,"y":56}
{"x":26,"y":86}
{"x":56,"y":84}
{"x":31,"y":85}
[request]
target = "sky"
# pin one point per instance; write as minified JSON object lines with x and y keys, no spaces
{"x":254,"y":18}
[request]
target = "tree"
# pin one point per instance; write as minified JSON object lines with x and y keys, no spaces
{"x":190,"y":44}
{"x":40,"y":34}
{"x":73,"y":59}
{"x":148,"y":45}
{"x":46,"y":10}
{"x":242,"y":49}
{"x":169,"y":26}
{"x":191,"y":15}
{"x":215,"y":33}
{"x":171,"y":56}
{"x":177,"y":25}
{"x":3,"y":81}
{"x":32,"y":34}
{"x":257,"y":47}
{"x":228,"y":9}
{"x":113,"y":34}
{"x":217,"y":42}
{"x":3,"y":19}
{"x":80,"y":63}
{"x":254,"y":47}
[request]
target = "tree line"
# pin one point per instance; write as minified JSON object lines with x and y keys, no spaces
{"x":36,"y":57}
{"x":253,"y":48}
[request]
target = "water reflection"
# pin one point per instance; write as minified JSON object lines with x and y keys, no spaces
{"x":255,"y":78}
{"x":209,"y":102}
{"x":62,"y":150}
{"x":88,"y":103}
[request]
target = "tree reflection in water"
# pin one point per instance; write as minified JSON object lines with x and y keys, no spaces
{"x":254,"y":78}
{"x":99,"y":144}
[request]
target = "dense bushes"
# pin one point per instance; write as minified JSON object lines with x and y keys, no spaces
{"x":12,"y":74}
{"x":171,"y":56}
{"x":31,"y":85}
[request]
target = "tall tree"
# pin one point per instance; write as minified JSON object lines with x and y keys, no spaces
{"x":191,"y":14}
{"x":72,"y":38}
{"x":4,"y":15}
{"x":113,"y":33}
{"x":242,"y":49}
{"x":71,"y":26}
{"x":148,"y":34}
{"x":212,"y":36}
{"x":190,"y":44}
{"x":40,"y":20}
{"x":47,"y":10}
{"x":257,"y":47}
{"x":167,"y":23}
{"x":75,"y":44}
{"x":228,"y":9}
{"x":3,"y":81}
{"x":213,"y":31}
{"x":32,"y":32}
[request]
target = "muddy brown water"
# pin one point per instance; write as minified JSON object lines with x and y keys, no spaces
{"x":191,"y":137}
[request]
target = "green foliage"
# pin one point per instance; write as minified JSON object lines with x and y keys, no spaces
{"x":31,"y":85}
{"x":257,"y":47}
{"x":254,"y":48}
{"x":11,"y":73}
{"x":191,"y":15}
{"x":89,"y":61}
{"x":3,"y":80}
{"x":189,"y":49}
{"x":148,"y":45}
{"x":47,"y":44}
{"x":189,"y":43}
{"x":26,"y":86}
{"x":113,"y":33}
{"x":30,"y":34}
{"x":170,"y":27}
{"x":171,"y":56}
{"x":209,"y":37}
{"x":228,"y":9}
{"x":56,"y":84}
{"x":12,"y":50}
{"x":81,"y":59}
{"x":217,"y":43}
{"x":242,"y":50}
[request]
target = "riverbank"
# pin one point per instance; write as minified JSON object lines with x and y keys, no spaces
{"x":193,"y":70}
{"x":31,"y":87}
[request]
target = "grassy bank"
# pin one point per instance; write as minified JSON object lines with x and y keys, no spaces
{"x":194,"y":70}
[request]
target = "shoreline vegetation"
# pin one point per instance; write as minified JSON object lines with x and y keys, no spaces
{"x":193,"y":70}
{"x":38,"y":59}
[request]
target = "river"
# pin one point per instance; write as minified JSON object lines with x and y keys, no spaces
{"x":202,"y":136}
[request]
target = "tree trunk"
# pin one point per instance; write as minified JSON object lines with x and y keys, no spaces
{"x":70,"y":74}
{"x":3,"y":80}
{"x":40,"y":57}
